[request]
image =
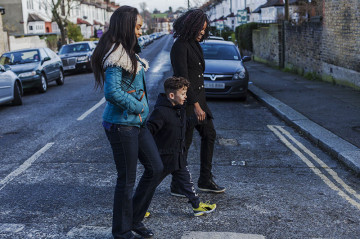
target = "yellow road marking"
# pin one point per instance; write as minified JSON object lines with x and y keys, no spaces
{"x":326,"y":180}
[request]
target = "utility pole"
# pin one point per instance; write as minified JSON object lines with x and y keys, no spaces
{"x":286,"y":10}
{"x":188,"y":4}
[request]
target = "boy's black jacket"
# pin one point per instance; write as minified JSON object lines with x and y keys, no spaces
{"x":167,"y":123}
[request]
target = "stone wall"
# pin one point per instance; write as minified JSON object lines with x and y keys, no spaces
{"x":26,"y":42}
{"x":329,"y":49}
{"x":266,"y":44}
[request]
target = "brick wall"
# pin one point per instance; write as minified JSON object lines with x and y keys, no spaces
{"x":330,"y":48}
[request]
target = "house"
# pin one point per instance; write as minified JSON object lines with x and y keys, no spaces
{"x":36,"y":16}
{"x":3,"y":35}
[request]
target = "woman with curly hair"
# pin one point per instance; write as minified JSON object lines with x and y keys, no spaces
{"x":121,"y":72}
{"x":187,"y":60}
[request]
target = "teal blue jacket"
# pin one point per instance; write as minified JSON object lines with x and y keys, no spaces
{"x":126,"y":100}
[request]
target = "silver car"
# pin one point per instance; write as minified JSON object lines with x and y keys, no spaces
{"x":11,"y":90}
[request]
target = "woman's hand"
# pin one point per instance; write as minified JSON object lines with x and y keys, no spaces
{"x":200,"y":114}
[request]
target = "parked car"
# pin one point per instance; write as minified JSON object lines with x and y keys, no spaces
{"x":76,"y":56}
{"x":225,"y":74}
{"x":35,"y":67}
{"x":11,"y":90}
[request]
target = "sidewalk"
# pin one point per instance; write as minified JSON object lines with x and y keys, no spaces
{"x":327,"y":114}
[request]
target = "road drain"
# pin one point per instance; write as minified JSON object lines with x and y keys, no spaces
{"x":356,"y":128}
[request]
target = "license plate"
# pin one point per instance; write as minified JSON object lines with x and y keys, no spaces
{"x":214,"y":85}
{"x":69,"y":67}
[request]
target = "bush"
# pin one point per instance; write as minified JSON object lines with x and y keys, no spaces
{"x":243,"y":34}
{"x":51,"y":42}
{"x":74,"y":32}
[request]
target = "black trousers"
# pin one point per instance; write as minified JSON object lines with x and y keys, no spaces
{"x":128,"y":144}
{"x":183,"y":181}
{"x":208,"y":135}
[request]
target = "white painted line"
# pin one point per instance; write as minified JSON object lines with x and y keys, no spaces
{"x":24,"y":166}
{"x":220,"y":235}
{"x":314,"y":168}
{"x":83,"y":116}
{"x":333,"y":174}
{"x":11,"y":227}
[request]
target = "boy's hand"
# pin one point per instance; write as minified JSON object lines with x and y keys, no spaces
{"x":200,"y":114}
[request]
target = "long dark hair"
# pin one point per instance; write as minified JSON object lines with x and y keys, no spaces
{"x":121,"y":31}
{"x":189,"y":25}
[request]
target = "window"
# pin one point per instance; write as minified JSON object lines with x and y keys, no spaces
{"x":30,"y":28}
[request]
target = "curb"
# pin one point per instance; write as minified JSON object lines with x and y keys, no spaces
{"x":339,"y":148}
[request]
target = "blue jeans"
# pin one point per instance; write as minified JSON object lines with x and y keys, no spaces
{"x":129,"y":143}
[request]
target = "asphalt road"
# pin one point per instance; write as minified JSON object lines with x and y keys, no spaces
{"x":57,"y":174}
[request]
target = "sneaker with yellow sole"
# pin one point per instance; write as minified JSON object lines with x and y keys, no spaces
{"x":204,"y":208}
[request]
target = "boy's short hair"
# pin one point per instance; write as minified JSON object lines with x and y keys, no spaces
{"x":172,"y":84}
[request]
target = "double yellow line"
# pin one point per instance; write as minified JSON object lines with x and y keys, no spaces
{"x":342,"y":188}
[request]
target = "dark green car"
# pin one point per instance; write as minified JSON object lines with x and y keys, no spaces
{"x":35,"y":67}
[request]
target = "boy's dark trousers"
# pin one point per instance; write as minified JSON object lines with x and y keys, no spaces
{"x":182,"y":178}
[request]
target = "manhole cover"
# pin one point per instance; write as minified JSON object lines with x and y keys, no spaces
{"x":228,"y":142}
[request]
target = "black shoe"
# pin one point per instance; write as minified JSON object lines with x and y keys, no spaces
{"x":175,"y":191}
{"x":210,"y":186}
{"x":142,"y":231}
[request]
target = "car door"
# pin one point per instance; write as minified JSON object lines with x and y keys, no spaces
{"x":55,"y":62}
{"x":5,"y":85}
{"x":47,"y":67}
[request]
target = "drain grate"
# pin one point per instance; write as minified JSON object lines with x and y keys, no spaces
{"x":356,"y":128}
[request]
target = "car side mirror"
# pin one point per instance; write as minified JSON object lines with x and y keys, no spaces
{"x":7,"y":68}
{"x":45,"y":59}
{"x":246,"y":58}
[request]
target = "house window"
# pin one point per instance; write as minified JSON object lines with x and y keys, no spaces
{"x":30,"y":28}
{"x":30,"y":4}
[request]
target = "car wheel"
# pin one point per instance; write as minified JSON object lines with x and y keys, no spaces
{"x":17,"y":95}
{"x":60,"y":80}
{"x":44,"y":84}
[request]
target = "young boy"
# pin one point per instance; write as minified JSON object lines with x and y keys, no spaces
{"x":167,"y":123}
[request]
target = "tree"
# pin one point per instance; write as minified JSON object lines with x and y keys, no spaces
{"x":60,"y":10}
{"x":156,"y":11}
{"x":74,"y":32}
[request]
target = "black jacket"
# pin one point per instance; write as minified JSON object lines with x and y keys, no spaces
{"x":187,"y":60}
{"x":167,"y":123}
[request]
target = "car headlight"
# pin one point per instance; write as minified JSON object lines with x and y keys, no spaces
{"x":27,"y":74}
{"x":82,"y":58}
{"x":239,"y":75}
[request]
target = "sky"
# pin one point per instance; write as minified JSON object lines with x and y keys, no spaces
{"x":161,"y":5}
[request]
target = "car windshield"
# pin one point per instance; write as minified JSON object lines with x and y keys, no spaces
{"x":20,"y":57}
{"x":82,"y":47}
{"x":220,"y":51}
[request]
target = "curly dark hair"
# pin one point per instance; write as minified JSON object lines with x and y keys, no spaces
{"x":189,"y":25}
{"x":173,"y":84}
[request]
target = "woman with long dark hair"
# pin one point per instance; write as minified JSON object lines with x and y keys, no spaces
{"x":121,"y":73}
{"x":187,"y":60}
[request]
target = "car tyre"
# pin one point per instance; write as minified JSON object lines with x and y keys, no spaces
{"x":44,"y":84}
{"x":17,"y":95}
{"x":60,"y":80}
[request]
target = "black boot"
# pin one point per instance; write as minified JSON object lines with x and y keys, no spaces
{"x":210,"y":186}
{"x":140,"y":229}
